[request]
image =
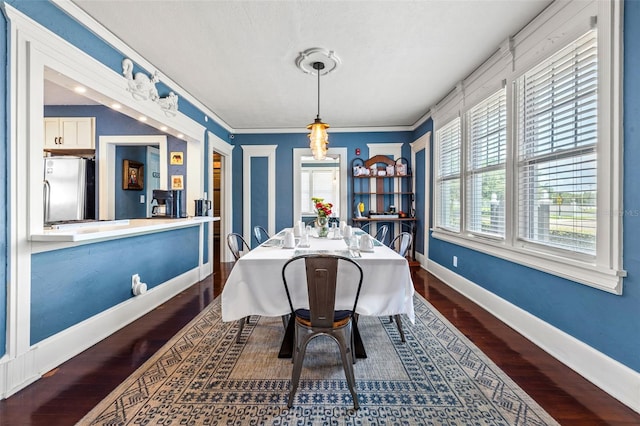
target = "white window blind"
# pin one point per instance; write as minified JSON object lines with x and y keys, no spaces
{"x":321,"y":183}
{"x":448,"y":179}
{"x":485,"y":170}
{"x":557,"y":138}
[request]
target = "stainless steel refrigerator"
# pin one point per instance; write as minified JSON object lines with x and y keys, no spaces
{"x":69,"y":189}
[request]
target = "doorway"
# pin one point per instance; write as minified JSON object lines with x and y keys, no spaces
{"x":216,"y":200}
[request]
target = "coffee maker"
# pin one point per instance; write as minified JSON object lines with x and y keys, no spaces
{"x":164,"y":203}
{"x":168,"y":204}
{"x":202,"y":207}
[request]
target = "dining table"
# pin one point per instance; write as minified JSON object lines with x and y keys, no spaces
{"x":255,"y":285}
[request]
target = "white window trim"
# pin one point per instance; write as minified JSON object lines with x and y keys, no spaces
{"x":536,"y":43}
{"x":298,"y":153}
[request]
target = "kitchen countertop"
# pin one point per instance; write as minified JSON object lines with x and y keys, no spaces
{"x":117,"y":228}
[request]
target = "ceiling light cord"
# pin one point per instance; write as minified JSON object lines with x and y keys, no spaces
{"x":318,"y":66}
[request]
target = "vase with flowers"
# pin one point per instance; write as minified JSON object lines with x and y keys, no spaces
{"x":323,"y":211}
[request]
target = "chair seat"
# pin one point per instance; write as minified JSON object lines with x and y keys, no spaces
{"x":340,"y":318}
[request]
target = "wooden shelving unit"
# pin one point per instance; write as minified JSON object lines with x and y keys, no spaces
{"x":380,"y":183}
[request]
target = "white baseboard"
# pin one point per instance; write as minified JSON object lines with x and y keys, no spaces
{"x":17,"y":373}
{"x":611,"y":376}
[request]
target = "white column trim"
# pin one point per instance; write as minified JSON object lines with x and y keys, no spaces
{"x":418,"y":145}
{"x":248,"y":152}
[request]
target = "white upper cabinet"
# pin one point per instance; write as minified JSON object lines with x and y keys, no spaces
{"x":69,"y":132}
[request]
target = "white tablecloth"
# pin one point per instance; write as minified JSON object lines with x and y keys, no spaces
{"x":255,"y":285}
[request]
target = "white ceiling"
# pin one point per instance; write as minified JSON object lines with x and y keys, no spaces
{"x":398,"y":58}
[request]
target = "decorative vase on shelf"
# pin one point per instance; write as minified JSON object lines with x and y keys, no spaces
{"x":322,"y":226}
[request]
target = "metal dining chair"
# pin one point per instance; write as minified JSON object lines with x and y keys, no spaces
{"x":400,"y":244}
{"x":260,"y":234}
{"x":322,"y":317}
{"x":238,"y":247}
{"x":381,"y":231}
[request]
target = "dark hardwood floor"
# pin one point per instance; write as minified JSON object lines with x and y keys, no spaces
{"x":68,"y":392}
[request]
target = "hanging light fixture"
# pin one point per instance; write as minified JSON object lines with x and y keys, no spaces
{"x":318,"y":138}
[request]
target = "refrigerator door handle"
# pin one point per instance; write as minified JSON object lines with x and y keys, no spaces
{"x":46,"y":195}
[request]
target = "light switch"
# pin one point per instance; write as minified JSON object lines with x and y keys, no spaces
{"x":142,"y":199}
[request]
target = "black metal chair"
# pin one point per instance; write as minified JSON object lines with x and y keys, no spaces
{"x":238,"y":247}
{"x":322,"y":318}
{"x":260,"y":234}
{"x":401,"y":244}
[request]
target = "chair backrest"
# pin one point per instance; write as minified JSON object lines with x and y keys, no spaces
{"x":322,"y":283}
{"x":261,"y":235}
{"x":381,"y":233}
{"x":401,"y":243}
{"x":237,"y":245}
{"x":365,"y":227}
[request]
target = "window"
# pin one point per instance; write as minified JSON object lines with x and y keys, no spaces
{"x":319,"y":179}
{"x":485,"y":175}
{"x":448,"y":180}
{"x":532,"y":172}
{"x":557,"y":138}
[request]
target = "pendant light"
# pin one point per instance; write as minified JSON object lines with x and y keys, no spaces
{"x":318,"y":138}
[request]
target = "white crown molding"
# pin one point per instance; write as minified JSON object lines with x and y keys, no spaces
{"x":98,"y":29}
{"x":303,"y":130}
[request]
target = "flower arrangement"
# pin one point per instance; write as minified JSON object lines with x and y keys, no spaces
{"x":322,"y":209}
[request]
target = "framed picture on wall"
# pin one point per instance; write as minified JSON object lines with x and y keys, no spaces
{"x":176,"y":158}
{"x":132,"y":175}
{"x":177,"y":182}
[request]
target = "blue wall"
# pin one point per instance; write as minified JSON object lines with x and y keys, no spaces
{"x":284,"y":166}
{"x":127,"y":202}
{"x":259,"y":195}
{"x":609,"y":323}
{"x":95,"y":277}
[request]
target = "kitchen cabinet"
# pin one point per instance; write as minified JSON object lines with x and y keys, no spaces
{"x":69,"y":132}
{"x":384,"y":189}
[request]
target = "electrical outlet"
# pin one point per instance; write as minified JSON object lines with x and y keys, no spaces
{"x":455,"y":261}
{"x":137,"y":287}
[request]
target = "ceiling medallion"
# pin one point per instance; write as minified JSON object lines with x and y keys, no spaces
{"x":307,"y":58}
{"x":318,"y":61}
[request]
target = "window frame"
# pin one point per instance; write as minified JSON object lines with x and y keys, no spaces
{"x":469,"y":171}
{"x":559,"y":25}
{"x":335,"y":171}
{"x":449,"y":177}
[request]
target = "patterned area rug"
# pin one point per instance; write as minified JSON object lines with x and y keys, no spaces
{"x":203,"y":377}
